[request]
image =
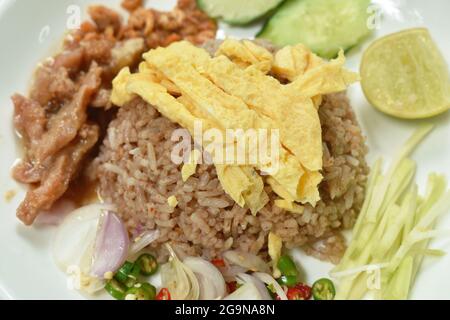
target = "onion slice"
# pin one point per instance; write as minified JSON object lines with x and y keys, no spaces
{"x":211,"y":281}
{"x":230,"y":272}
{"x":142,"y":241}
{"x":179,"y":278}
{"x":75,"y":237}
{"x":246,"y":260}
{"x":260,"y":286}
{"x":269,"y":280}
{"x":248,"y":291}
{"x":74,"y":244}
{"x":111,"y":245}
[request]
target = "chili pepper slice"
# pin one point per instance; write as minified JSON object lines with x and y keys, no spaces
{"x":133,"y":275}
{"x":163,"y":294}
{"x":232,"y":286}
{"x":115,"y":289}
{"x":305,"y":290}
{"x":150,"y":289}
{"x":289,"y":281}
{"x":219,"y":263}
{"x":147,"y":264}
{"x":124,"y":271}
{"x":142,"y":291}
{"x":287,"y":266}
{"x":323,"y":289}
{"x":294,"y":294}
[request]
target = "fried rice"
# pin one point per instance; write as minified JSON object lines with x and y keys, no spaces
{"x":137,"y":175}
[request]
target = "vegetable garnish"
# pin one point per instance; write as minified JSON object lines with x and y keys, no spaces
{"x":252,"y":288}
{"x":232,"y":286}
{"x":143,"y":241}
{"x":289,"y":272}
{"x":326,"y":26}
{"x":272,"y":285}
{"x":246,"y":260}
{"x":289,"y":281}
{"x":179,"y":279}
{"x":111,"y":244}
{"x":405,"y":75}
{"x":80,"y":239}
{"x":237,"y":12}
{"x":299,"y":292}
{"x":143,"y":291}
{"x":124,"y":271}
{"x":163,"y":294}
{"x":116,"y":289}
{"x":147,"y":264}
{"x":392,"y":232}
{"x":132,"y":277}
{"x":211,"y":282}
{"x":305,"y":290}
{"x":219,"y":263}
{"x":323,"y":289}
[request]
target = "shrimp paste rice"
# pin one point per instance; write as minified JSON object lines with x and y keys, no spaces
{"x":137,"y":175}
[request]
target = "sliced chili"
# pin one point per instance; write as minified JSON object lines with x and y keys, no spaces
{"x":289,"y":281}
{"x":115,"y":289}
{"x":163,"y":294}
{"x":323,"y":289}
{"x":219,"y":263}
{"x":147,"y":264}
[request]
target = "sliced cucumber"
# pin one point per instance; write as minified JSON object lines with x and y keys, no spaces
{"x":325,"y":26}
{"x":238,"y":12}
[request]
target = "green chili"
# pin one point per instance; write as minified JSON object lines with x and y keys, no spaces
{"x":132,"y":278}
{"x":150,"y":289}
{"x":289,"y":281}
{"x":288,"y":271}
{"x":147,"y":264}
{"x":323,"y":289}
{"x":143,"y":291}
{"x":128,"y":274}
{"x":124,"y":271}
{"x":115,"y":289}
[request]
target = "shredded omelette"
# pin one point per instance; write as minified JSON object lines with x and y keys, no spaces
{"x":235,"y":89}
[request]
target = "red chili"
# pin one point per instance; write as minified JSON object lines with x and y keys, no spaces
{"x":305,"y":289}
{"x":299,"y":292}
{"x":163,"y":294}
{"x":231,"y":286}
{"x":219,"y":263}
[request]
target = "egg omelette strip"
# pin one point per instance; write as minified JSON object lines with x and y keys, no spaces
{"x":242,"y":183}
{"x":246,"y":53}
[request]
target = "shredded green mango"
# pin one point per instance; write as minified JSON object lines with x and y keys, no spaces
{"x":393,"y":229}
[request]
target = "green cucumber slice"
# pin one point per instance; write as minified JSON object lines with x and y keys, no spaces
{"x":325,"y":26}
{"x":237,"y":12}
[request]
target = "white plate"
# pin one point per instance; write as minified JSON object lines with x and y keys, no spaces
{"x":30,"y":30}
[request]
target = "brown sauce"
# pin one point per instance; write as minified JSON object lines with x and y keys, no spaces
{"x":82,"y":192}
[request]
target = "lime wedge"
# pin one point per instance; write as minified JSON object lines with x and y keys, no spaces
{"x":405,"y":75}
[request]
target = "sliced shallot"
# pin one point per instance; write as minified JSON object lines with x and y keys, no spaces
{"x":211,"y":281}
{"x":111,"y":245}
{"x":142,"y":241}
{"x":246,"y":260}
{"x":269,"y":280}
{"x":263,"y":292}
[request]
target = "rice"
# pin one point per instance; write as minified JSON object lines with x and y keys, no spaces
{"x":137,"y":175}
